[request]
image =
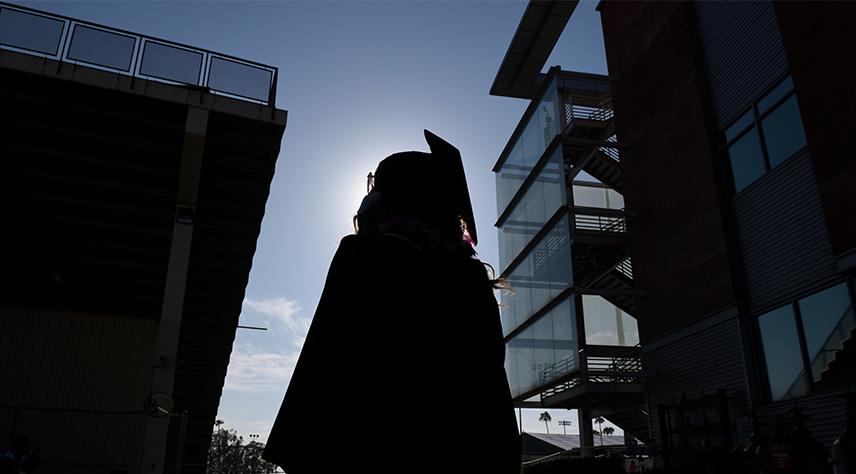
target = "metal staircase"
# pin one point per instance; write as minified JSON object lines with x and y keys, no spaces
{"x":836,"y":357}
{"x":633,"y":422}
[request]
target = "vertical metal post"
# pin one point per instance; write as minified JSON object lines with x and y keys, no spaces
{"x":169,"y":327}
{"x":586,"y":433}
{"x":182,"y":433}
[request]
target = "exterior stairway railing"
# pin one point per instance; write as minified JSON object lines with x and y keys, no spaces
{"x":609,"y":221}
{"x":574,"y":109}
{"x":603,"y":364}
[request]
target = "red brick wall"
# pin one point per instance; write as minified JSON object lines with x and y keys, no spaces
{"x":820,"y":40}
{"x":670,"y":174}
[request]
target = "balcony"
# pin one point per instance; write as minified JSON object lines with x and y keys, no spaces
{"x":606,"y":370}
{"x":75,"y":42}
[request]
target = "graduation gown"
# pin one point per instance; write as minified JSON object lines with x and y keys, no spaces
{"x":401,"y":371}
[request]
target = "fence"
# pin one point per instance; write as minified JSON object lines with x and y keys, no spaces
{"x":68,"y":40}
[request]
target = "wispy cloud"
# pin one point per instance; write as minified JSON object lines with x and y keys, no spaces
{"x":257,"y":371}
{"x":285,"y":311}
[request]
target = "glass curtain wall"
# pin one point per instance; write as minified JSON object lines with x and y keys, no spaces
{"x":801,"y":341}
{"x":544,"y":197}
{"x":539,"y":278}
{"x":597,"y":195}
{"x":540,"y":129}
{"x":608,"y":325}
{"x":543,"y":350}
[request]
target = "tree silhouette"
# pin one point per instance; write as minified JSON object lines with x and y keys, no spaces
{"x":608,"y":431}
{"x":228,"y":454}
{"x":546,"y":418}
{"x":600,"y":421}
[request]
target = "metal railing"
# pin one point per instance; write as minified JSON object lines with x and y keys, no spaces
{"x":558,"y":369}
{"x":574,"y":109}
{"x":600,"y":220}
{"x":608,"y":364}
{"x":625,"y":268}
{"x":611,"y":152}
{"x":603,"y":364}
{"x":73,"y":41}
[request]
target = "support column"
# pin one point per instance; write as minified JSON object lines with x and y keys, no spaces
{"x":586,"y":434}
{"x":169,"y":328}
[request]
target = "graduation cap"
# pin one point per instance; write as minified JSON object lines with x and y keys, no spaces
{"x":434,"y":179}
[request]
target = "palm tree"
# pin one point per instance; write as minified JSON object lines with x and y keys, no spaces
{"x":546,"y":418}
{"x":599,"y":420}
{"x":609,"y":430}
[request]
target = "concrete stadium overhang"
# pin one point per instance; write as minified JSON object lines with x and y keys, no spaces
{"x":520,"y":74}
{"x":91,"y":176}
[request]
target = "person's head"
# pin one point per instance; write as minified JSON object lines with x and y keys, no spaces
{"x":421,"y":195}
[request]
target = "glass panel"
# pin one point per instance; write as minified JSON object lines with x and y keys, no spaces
{"x":775,"y":95}
{"x":540,"y":202}
{"x":747,"y":162}
{"x":526,"y":375}
{"x":559,"y":275}
{"x":544,"y":351}
{"x":782,"y":354}
{"x":539,"y":131}
{"x":606,"y":324}
{"x":631,"y":330}
{"x":239,"y":79}
{"x":741,"y":124}
{"x":511,"y":371}
{"x":828,"y":320}
{"x":563,"y":332}
{"x":518,"y":301}
{"x":589,"y":196}
{"x":616,"y":200}
{"x":542,"y":344}
{"x":783,"y":131}
{"x":171,"y":63}
{"x":510,"y":177}
{"x":551,"y":258}
{"x":28,"y":31}
{"x":102,"y":48}
{"x":539,"y":278}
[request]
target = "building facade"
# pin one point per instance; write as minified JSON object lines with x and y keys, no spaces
{"x":135,"y":173}
{"x":736,"y":179}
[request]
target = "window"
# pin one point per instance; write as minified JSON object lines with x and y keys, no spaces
{"x":769,"y":133}
{"x":801,"y":341}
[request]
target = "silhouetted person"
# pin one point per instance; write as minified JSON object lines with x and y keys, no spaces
{"x":405,"y":353}
{"x":18,"y":459}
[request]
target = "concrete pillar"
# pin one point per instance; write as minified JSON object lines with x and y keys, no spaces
{"x":163,"y":362}
{"x":586,"y":432}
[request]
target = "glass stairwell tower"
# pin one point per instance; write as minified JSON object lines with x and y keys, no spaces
{"x":569,"y":327}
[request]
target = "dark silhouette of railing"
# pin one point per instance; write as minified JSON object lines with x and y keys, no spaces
{"x":69,"y":40}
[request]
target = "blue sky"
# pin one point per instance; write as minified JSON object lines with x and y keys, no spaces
{"x":360,"y":81}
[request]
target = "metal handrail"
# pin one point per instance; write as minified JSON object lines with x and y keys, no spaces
{"x":66,"y":39}
{"x":600,"y":220}
{"x":604,"y":364}
{"x":558,"y":368}
{"x":625,"y":267}
{"x":611,"y":152}
{"x":601,"y":113}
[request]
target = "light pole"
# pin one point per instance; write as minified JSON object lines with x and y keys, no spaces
{"x":564,"y":424}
